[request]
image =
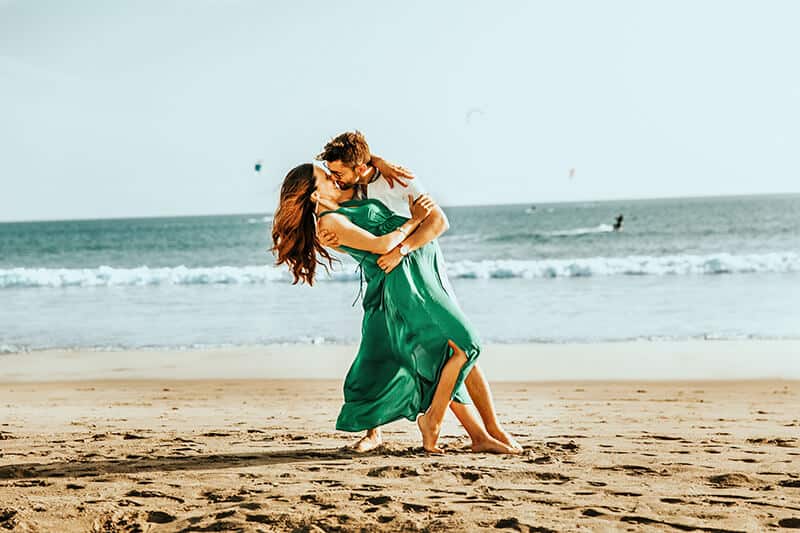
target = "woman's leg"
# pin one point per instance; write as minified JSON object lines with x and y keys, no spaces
{"x":430,"y":423}
{"x":370,"y":441}
{"x":481,"y":394}
{"x":481,"y":440}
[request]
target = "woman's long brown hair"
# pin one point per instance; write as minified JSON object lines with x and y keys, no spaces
{"x":294,"y":232}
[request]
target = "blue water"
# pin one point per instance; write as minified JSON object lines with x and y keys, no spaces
{"x":681,"y":268}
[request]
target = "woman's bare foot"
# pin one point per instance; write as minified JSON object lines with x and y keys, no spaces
{"x":430,"y":434}
{"x":368,"y":442}
{"x":492,"y":445}
{"x":501,"y":435}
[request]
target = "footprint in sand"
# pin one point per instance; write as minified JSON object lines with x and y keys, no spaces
{"x":152,"y":494}
{"x":783,"y":443}
{"x":631,"y":470}
{"x":393,"y":472}
{"x":725,"y":481}
{"x":552,"y":477}
{"x":215,"y":497}
{"x":215,"y":434}
{"x":7,"y":518}
{"x":415,"y":507}
{"x":261,"y":519}
{"x":312,"y":498}
{"x":379,"y":500}
{"x":514,"y":523}
{"x":159,"y":517}
{"x":570,"y":446}
{"x":126,"y":522}
{"x":643,"y":520}
{"x":31,"y":483}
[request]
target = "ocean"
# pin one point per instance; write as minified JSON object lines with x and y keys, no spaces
{"x":688,"y":268}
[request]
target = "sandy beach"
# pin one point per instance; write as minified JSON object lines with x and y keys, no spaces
{"x":188,"y":451}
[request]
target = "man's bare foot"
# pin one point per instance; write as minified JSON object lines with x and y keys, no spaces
{"x":492,"y":445}
{"x":430,"y":434}
{"x":368,"y":442}
{"x":505,"y":438}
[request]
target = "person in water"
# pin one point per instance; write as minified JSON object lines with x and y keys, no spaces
{"x":618,"y":223}
{"x":352,"y":166}
{"x":417,"y":346}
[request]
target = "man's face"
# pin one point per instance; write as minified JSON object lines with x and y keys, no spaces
{"x":344,"y":177}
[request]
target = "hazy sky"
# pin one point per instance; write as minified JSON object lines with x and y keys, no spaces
{"x":111,"y":109}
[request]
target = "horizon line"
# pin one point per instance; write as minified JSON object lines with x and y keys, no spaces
{"x":602,"y":200}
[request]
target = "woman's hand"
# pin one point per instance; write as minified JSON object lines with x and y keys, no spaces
{"x":421,"y":207}
{"x":387,"y":262}
{"x":392,"y":173}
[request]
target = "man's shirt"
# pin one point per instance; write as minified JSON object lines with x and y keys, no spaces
{"x":395,"y":198}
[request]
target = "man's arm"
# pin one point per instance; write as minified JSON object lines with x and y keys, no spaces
{"x":392,"y":173}
{"x":428,"y":230}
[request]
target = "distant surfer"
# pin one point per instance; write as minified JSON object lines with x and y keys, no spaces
{"x":618,"y":223}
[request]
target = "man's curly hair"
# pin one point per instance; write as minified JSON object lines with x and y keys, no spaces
{"x":350,"y":148}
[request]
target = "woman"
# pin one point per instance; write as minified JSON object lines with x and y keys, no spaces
{"x":417,"y":346}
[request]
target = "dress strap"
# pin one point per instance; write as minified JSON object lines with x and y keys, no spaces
{"x":320,"y":215}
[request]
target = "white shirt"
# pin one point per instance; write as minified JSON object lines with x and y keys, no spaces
{"x":395,"y":198}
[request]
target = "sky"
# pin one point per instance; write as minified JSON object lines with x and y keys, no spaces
{"x":158,"y":108}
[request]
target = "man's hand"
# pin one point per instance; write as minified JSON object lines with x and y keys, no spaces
{"x":388,"y":262}
{"x":421,"y":207}
{"x":327,"y":238}
{"x":392,"y":173}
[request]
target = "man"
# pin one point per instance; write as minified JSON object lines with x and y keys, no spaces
{"x":348,"y":159}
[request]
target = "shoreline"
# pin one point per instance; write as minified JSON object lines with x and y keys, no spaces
{"x":618,"y":361}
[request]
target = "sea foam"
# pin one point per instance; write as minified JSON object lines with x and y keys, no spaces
{"x":106,"y":276}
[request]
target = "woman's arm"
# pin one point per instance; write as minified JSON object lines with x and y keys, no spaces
{"x":352,"y":236}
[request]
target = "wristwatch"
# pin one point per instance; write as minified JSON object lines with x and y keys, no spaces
{"x":405,"y":250}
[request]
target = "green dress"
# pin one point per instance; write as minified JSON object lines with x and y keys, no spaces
{"x":409,"y":315}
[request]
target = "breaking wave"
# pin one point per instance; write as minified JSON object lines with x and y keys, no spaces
{"x":106,"y":276}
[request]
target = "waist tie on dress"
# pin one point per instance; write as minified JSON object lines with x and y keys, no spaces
{"x":360,"y":295}
{"x":360,"y":270}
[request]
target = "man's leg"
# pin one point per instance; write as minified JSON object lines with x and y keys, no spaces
{"x":481,"y":440}
{"x":481,"y":394}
